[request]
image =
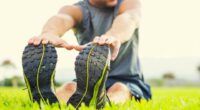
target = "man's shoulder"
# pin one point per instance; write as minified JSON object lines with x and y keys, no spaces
{"x":81,"y":3}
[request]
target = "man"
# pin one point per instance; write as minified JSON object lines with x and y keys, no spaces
{"x":103,"y":22}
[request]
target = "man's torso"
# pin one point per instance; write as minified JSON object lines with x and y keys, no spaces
{"x":97,"y":21}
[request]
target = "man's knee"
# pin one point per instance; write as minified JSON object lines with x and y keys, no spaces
{"x":65,"y":91}
{"x":118,"y":86}
{"x":69,"y":86}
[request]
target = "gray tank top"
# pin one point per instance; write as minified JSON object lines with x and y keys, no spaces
{"x":97,"y":21}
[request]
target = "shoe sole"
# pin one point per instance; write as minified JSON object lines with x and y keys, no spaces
{"x":39,"y":64}
{"x":91,"y":66}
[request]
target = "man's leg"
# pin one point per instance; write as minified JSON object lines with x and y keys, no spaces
{"x":39,"y":63}
{"x":64,"y":92}
{"x":119,"y":93}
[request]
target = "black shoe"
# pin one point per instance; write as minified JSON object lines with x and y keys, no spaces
{"x":39,"y":64}
{"x":92,"y":68}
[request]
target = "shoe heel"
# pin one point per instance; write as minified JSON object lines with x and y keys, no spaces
{"x":92,"y":67}
{"x":39,"y":64}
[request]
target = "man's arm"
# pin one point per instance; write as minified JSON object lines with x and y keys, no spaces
{"x":56,"y":26}
{"x":127,"y":21}
{"x":65,"y":19}
{"x":123,"y":26}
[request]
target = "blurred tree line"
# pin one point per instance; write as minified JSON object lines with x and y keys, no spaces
{"x":198,"y":68}
{"x":9,"y":69}
{"x":17,"y":81}
{"x":167,"y":79}
{"x":14,"y":80}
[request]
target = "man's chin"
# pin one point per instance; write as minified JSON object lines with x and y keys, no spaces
{"x":112,"y":4}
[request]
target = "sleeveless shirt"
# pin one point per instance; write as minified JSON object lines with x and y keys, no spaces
{"x":97,"y":21}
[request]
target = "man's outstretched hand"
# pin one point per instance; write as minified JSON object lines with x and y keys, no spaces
{"x":113,"y":42}
{"x":50,"y":38}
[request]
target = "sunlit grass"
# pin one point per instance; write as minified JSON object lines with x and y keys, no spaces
{"x":163,"y":99}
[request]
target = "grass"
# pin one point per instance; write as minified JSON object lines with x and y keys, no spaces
{"x":163,"y":99}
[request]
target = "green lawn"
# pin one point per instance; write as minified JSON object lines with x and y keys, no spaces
{"x":163,"y":99}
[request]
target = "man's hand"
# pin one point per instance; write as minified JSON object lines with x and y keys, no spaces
{"x":81,"y":47}
{"x":50,"y":38}
{"x":111,"y":41}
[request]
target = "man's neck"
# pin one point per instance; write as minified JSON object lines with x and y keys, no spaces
{"x":95,"y":4}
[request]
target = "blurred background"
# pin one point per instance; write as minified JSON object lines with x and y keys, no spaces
{"x":169,"y":40}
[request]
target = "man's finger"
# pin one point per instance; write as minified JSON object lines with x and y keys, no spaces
{"x":68,"y":47}
{"x":45,"y":41}
{"x":114,"y":53}
{"x":88,"y":43}
{"x":64,"y":44}
{"x":96,"y":40}
{"x":109,"y":41}
{"x":79,"y":47}
{"x":37,"y":41}
{"x":30,"y":41}
{"x":102,"y":41}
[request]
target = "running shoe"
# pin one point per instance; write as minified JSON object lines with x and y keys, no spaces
{"x":92,"y":67}
{"x":39,"y":64}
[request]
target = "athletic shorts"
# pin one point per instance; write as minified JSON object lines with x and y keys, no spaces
{"x":138,"y":88}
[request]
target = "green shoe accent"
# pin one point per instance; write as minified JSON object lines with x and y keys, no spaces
{"x":52,"y":81}
{"x":38,"y":72}
{"x":93,"y":102}
{"x":87,"y":76}
{"x":39,"y":64}
{"x":92,"y":68}
{"x":29,"y":89}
